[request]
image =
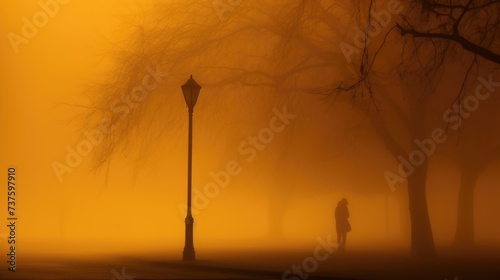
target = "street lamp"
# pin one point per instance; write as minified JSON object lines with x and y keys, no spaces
{"x":190,"y":90}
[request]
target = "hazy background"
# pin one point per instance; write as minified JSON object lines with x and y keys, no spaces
{"x":327,"y":152}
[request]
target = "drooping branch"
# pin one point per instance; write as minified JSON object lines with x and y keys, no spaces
{"x":466,"y":44}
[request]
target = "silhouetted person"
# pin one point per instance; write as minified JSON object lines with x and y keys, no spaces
{"x":342,"y":223}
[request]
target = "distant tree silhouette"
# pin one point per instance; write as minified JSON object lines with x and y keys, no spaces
{"x":474,"y":148}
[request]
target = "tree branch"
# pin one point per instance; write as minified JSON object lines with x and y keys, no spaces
{"x":466,"y":44}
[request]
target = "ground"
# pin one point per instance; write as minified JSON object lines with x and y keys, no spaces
{"x":255,"y":264}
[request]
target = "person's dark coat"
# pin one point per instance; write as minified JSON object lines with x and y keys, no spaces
{"x":342,"y":216}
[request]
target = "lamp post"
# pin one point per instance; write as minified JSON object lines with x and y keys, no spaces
{"x":190,"y":90}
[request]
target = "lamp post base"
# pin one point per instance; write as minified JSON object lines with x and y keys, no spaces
{"x":188,"y":254}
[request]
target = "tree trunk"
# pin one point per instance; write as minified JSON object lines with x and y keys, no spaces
{"x":464,"y":233}
{"x":422,"y":243}
{"x":404,"y":217}
{"x":276,"y":216}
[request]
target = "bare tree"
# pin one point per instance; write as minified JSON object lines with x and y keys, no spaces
{"x":253,"y":56}
{"x":474,"y":148}
{"x":434,"y":35}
